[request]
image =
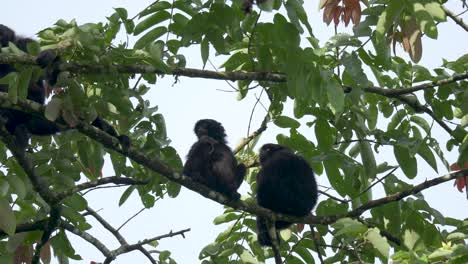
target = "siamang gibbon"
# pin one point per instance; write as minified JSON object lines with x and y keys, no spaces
{"x":211,"y":162}
{"x":22,"y":125}
{"x":285,"y":184}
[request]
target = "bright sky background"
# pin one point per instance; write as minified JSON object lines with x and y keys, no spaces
{"x":182,"y":104}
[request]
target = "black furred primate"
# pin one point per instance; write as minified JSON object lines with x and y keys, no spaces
{"x":211,"y":162}
{"x":285,"y":184}
{"x":23,"y":125}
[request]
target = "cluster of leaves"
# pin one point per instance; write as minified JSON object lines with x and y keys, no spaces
{"x":349,"y":128}
{"x":350,"y":10}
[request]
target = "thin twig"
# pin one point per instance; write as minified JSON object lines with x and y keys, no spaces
{"x":316,"y":243}
{"x":255,"y":134}
{"x":455,"y":18}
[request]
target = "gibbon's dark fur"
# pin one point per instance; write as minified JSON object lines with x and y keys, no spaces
{"x":285,"y":184}
{"x":23,"y":125}
{"x":211,"y":162}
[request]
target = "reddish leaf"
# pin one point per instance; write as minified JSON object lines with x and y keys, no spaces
{"x":300,"y":227}
{"x":460,"y":183}
{"x":336,"y":14}
{"x":45,"y":253}
{"x":347,"y":15}
{"x":356,"y":14}
{"x":328,"y":14}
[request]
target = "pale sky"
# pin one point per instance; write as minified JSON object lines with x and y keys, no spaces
{"x":188,"y":100}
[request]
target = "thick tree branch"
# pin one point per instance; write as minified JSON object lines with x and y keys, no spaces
{"x":158,"y":166}
{"x":424,"y":86}
{"x":456,"y":19}
{"x":206,"y":74}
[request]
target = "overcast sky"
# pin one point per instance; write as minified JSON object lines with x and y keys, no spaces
{"x":188,"y":100}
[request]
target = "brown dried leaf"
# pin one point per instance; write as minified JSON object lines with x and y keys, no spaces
{"x":45,"y":253}
{"x":336,"y":14}
{"x":356,"y":14}
{"x":328,"y":14}
{"x":412,"y":39}
{"x":347,"y":15}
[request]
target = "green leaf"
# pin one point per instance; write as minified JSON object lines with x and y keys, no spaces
{"x":336,"y":97}
{"x":126,"y":194}
{"x":151,"y":21}
{"x":53,"y":109}
{"x":425,"y":152}
{"x":348,"y":226}
{"x":7,"y":217}
{"x":435,"y":9}
{"x":150,"y":37}
{"x":334,"y":176}
{"x":407,"y":163}
{"x":422,"y":123}
{"x":380,"y":243}
{"x":225,"y":218}
{"x":425,"y":20}
{"x":286,"y":122}
{"x":368,"y":160}
{"x":123,"y":14}
{"x":205,"y":50}
{"x":325,"y":134}
{"x":389,"y":15}
{"x":24,"y":78}
{"x":248,"y":258}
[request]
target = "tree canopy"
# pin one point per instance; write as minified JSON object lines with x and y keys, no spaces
{"x":365,"y":114}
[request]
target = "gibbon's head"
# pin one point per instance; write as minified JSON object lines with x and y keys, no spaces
{"x":211,"y":128}
{"x":267,"y":150}
{"x":6,"y":35}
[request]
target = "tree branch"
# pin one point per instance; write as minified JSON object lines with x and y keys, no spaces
{"x":424,"y":86}
{"x":89,"y":238}
{"x":119,"y":237}
{"x":456,"y":19}
{"x":27,"y":59}
{"x":158,"y":166}
{"x":252,"y":136}
{"x":101,"y":181}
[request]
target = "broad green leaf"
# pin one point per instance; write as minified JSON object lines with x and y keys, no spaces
{"x":435,"y":9}
{"x":225,"y":218}
{"x":391,"y":13}
{"x":325,"y":134}
{"x":123,"y":14}
{"x":149,"y":37}
{"x":425,"y":20}
{"x":407,"y":163}
{"x":422,"y":123}
{"x":286,"y":122}
{"x":368,"y":160}
{"x":380,"y":243}
{"x":248,"y":258}
{"x":53,"y":109}
{"x":7,"y":217}
{"x":126,"y":194}
{"x":334,"y":176}
{"x":151,"y":21}
{"x":425,"y":152}
{"x":24,"y":78}
{"x":336,"y":97}
{"x":205,"y":50}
